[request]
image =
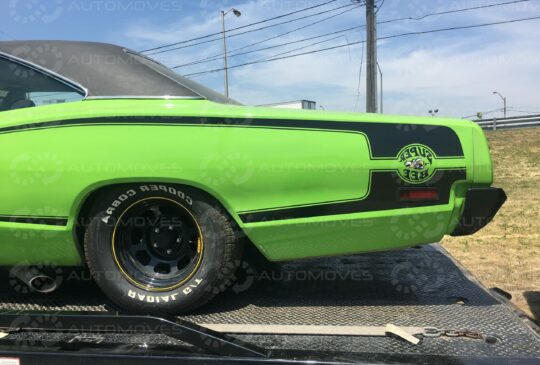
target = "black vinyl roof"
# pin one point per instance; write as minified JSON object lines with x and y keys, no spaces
{"x":106,"y":70}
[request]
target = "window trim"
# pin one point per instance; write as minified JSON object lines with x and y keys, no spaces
{"x":49,"y":73}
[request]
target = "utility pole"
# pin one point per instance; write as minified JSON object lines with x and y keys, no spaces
{"x":371,"y":61}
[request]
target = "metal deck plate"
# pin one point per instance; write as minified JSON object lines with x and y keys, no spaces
{"x":414,"y":287}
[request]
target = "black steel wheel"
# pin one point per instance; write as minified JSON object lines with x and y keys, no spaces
{"x":157,"y":244}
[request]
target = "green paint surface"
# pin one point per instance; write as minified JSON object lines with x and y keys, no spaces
{"x":50,"y":172}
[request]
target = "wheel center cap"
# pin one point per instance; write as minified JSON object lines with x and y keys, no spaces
{"x":166,"y":242}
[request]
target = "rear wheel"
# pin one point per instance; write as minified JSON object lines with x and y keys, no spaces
{"x":160,"y":248}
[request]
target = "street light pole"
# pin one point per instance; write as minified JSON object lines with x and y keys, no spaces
{"x":225,"y":66}
{"x":504,"y":102}
{"x":226,"y":77}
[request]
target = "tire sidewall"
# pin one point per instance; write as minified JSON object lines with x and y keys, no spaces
{"x":119,"y":288}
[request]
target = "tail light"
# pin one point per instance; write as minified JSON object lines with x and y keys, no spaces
{"x":418,"y":194}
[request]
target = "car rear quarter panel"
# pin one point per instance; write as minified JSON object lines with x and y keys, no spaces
{"x":50,"y":171}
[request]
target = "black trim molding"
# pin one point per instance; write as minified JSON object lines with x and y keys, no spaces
{"x":49,"y":221}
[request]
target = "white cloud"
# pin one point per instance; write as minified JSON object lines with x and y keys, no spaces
{"x":455,"y":72}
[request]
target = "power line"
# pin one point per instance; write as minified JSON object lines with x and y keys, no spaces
{"x":250,"y":30}
{"x":360,"y":42}
{"x":521,"y":111}
{"x":379,"y":7}
{"x":303,"y":47}
{"x":483,"y":113}
{"x":230,"y":54}
{"x":273,"y":59}
{"x":297,"y":29}
{"x":217,"y":57}
{"x":257,"y":29}
{"x":510,"y":110}
{"x":240,"y":27}
{"x":452,"y":11}
{"x":359,"y":78}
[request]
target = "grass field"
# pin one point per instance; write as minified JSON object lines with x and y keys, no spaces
{"x":506,"y":253}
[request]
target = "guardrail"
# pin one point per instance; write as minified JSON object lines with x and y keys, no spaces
{"x":511,"y":122}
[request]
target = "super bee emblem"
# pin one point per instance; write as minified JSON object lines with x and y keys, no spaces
{"x":416,"y":163}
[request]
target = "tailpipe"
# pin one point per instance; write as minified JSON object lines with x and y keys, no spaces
{"x":35,"y":279}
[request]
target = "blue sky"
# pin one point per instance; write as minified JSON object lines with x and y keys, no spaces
{"x":455,"y":72}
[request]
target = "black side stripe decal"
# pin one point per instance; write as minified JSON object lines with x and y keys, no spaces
{"x":384,"y":187}
{"x":385,"y":139}
{"x":49,"y":221}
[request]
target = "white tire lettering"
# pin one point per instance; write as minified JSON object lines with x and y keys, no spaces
{"x":190,"y":288}
{"x":145,"y":188}
{"x":167,"y":189}
{"x":151,"y":298}
{"x":123,"y":197}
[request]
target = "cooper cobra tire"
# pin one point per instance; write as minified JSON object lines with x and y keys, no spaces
{"x":155,"y":248}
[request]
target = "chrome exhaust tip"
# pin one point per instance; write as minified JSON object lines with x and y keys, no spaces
{"x":35,"y":279}
{"x":42,"y":284}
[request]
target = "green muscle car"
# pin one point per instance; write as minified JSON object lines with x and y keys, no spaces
{"x":111,"y":160}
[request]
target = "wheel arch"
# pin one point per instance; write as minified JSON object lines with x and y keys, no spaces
{"x":82,"y":208}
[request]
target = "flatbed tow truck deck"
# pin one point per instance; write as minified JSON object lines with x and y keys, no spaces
{"x":331,"y":310}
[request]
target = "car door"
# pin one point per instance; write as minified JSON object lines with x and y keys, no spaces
{"x":29,"y":225}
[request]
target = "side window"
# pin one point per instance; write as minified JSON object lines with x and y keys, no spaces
{"x":24,"y":87}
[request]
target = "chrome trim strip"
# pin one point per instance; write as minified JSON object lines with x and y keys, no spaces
{"x":46,"y":71}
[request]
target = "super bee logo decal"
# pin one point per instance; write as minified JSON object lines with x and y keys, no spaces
{"x":416,"y":163}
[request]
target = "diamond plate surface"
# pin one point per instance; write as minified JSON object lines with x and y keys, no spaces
{"x":413,"y":287}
